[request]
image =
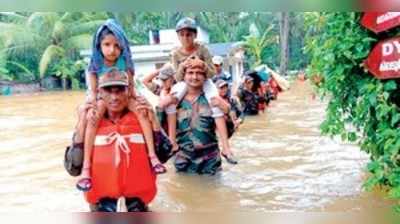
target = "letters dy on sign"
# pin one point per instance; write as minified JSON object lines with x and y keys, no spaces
{"x":384,"y":60}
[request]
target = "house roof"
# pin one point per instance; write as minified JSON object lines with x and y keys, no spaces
{"x":223,"y":49}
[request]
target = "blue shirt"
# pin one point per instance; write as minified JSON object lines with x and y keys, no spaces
{"x":120,"y":65}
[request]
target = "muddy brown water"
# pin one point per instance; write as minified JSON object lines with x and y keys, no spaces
{"x":285,"y":164}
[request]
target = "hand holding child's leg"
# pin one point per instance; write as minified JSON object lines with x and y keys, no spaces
{"x":94,"y":115}
{"x":148,"y":135}
{"x":211,"y":92}
{"x":140,"y":107}
{"x":177,"y":93}
{"x":223,"y":137}
{"x":171,"y":117}
{"x":80,"y":127}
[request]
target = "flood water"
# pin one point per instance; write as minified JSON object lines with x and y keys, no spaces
{"x":285,"y":164}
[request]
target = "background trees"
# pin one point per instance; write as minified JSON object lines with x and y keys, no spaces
{"x":36,"y":45}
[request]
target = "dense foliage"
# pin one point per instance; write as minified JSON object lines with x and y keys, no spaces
{"x":361,"y":108}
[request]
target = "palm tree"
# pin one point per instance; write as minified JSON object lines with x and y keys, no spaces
{"x":47,"y":37}
{"x":256,"y":43}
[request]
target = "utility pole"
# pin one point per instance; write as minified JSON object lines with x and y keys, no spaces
{"x":284,"y":41}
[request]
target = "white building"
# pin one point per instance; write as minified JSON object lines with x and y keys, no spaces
{"x":169,"y":36}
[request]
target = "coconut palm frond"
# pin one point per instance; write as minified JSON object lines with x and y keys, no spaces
{"x":124,"y":18}
{"x":79,"y":28}
{"x":94,"y":16}
{"x":5,"y":26}
{"x":13,"y":17}
{"x":67,"y":17}
{"x":21,"y":66}
{"x":256,"y":44}
{"x":18,"y":50}
{"x":252,"y":43}
{"x":267,"y":32}
{"x":8,"y":28}
{"x":43,"y":22}
{"x":205,"y":18}
{"x":8,"y":31}
{"x":20,"y":47}
{"x":49,"y":54}
{"x":58,"y":31}
{"x":266,"y":38}
{"x":14,"y":29}
{"x":33,"y":18}
{"x":82,"y":41}
{"x":176,"y":16}
{"x":20,"y":41}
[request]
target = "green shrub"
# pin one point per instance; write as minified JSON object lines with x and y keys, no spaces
{"x":361,"y":108}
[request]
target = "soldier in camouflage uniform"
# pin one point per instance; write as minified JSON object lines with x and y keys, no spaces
{"x":248,"y":98}
{"x":196,"y":134}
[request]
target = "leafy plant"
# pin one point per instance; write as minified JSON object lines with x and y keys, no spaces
{"x":46,"y":37}
{"x":361,"y":108}
{"x":67,"y":70}
{"x":256,"y":43}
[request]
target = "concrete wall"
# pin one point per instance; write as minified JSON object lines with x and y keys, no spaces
{"x":144,"y":68}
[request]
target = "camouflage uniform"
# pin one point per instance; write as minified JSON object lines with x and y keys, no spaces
{"x":196,"y":137}
{"x":249,"y":101}
{"x":236,"y":107}
{"x":162,"y":117}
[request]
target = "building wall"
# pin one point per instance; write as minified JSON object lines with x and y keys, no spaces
{"x":170,"y":36}
{"x":145,"y":68}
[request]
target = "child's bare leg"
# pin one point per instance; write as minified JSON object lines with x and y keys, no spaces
{"x":211,"y":92}
{"x":223,"y":135}
{"x":166,"y":101}
{"x":81,"y":124}
{"x":172,"y":131}
{"x":147,"y":129}
{"x":93,"y":117}
{"x":171,"y":121}
{"x":222,"y":131}
{"x":178,"y":91}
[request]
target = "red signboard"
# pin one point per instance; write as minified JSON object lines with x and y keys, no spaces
{"x":384,"y":60}
{"x":380,"y":21}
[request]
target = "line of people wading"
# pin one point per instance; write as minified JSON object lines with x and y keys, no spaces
{"x":120,"y":143}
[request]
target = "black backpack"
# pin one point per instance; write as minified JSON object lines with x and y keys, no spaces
{"x":163,"y":146}
{"x":73,"y":159}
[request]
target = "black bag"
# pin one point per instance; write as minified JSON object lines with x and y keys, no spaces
{"x":73,"y":159}
{"x":230,"y":126}
{"x":163,"y":146}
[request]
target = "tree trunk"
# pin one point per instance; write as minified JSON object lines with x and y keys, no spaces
{"x":284,"y":41}
{"x":64,"y":83}
{"x":40,"y":84}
